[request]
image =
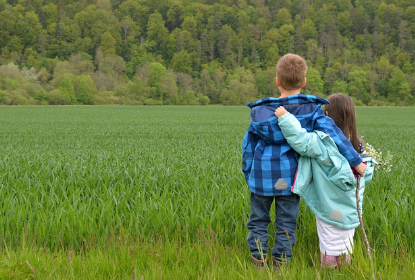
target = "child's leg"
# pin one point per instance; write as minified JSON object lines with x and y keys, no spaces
{"x":258,"y":225}
{"x":328,"y":261}
{"x":335,"y":244}
{"x":286,"y":212}
{"x":334,"y":261}
{"x":342,"y":260}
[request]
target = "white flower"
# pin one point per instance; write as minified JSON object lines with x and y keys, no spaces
{"x":384,"y":161}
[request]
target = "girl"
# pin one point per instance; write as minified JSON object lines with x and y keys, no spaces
{"x":325,"y":180}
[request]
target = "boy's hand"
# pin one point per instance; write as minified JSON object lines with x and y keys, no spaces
{"x":280,"y":111}
{"x":360,"y":169}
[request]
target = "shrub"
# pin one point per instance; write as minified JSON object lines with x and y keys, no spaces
{"x":57,"y":97}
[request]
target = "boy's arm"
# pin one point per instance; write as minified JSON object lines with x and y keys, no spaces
{"x":303,"y":142}
{"x":248,"y":149}
{"x":326,"y":124}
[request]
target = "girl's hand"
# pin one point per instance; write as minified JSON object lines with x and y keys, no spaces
{"x":360,"y":169}
{"x":280,"y":111}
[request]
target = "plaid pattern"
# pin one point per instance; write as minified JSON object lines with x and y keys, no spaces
{"x":268,"y":162}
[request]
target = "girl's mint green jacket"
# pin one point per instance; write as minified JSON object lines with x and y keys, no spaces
{"x":324,"y":179}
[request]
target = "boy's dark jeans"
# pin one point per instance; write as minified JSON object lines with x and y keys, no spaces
{"x":286,"y":209}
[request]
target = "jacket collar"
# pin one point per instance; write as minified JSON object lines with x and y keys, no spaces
{"x":290,"y":100}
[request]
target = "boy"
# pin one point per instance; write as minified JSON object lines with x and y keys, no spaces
{"x":269,"y":163}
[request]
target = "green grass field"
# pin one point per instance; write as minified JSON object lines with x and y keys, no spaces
{"x":158,"y":193}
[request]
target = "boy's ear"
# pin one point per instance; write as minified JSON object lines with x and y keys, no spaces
{"x":304,"y":82}
{"x":278,"y":82}
{"x":327,"y":113}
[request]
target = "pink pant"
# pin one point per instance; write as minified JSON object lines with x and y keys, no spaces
{"x":334,"y":261}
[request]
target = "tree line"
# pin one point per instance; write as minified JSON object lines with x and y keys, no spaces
{"x":202,"y":51}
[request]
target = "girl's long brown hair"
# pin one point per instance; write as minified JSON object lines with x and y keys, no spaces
{"x":341,"y":110}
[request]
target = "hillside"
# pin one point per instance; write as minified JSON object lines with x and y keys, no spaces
{"x":202,"y":52}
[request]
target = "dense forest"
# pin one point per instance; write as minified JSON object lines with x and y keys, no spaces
{"x":202,"y":51}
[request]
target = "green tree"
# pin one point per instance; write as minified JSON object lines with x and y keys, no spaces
{"x":330,"y":76}
{"x":261,"y":83}
{"x":138,"y":12}
{"x":156,"y":72}
{"x":28,"y":28}
{"x":283,"y":17}
{"x":11,"y":84}
{"x":66,"y":88}
{"x":240,"y":88}
{"x":225,"y":46}
{"x":272,"y":56}
{"x":157,"y":33}
{"x":57,"y":97}
{"x":384,"y":69}
{"x":203,"y":99}
{"x":169,"y":89}
{"x":309,"y":30}
{"x":50,"y":14}
{"x":190,"y":98}
{"x":339,"y":86}
{"x":315,"y":84}
{"x":139,"y":56}
{"x":269,"y":39}
{"x":344,"y":23}
{"x":399,"y":88}
{"x":174,"y":14}
{"x":358,"y":86}
{"x":84,"y":90}
{"x":182,"y":62}
{"x":189,"y":24}
{"x":286,"y":38}
{"x":108,"y":44}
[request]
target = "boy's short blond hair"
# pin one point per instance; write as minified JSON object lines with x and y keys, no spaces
{"x":291,"y":71}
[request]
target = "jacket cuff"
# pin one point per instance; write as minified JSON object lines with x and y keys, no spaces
{"x":283,"y":117}
{"x":356,"y":162}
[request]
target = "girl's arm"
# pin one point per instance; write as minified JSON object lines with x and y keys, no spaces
{"x":303,"y":142}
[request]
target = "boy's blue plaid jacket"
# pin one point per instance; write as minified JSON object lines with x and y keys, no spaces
{"x":268,"y":162}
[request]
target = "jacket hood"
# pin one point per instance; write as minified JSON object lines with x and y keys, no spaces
{"x":264,"y":123}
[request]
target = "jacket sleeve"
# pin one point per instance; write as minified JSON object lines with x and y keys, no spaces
{"x":248,"y":149}
{"x":303,"y":142}
{"x":370,"y":168}
{"x":327,"y":125}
